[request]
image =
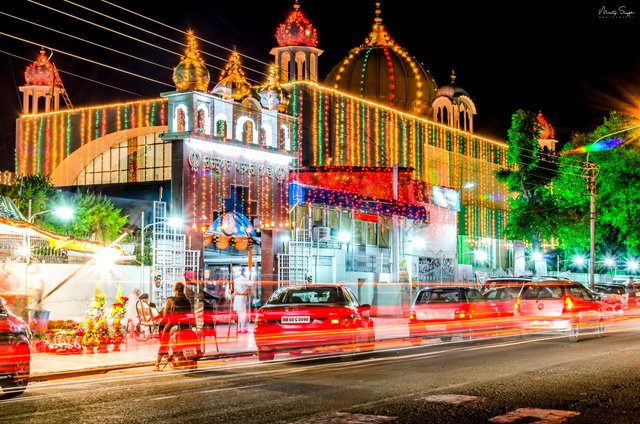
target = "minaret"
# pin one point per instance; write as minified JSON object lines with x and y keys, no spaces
{"x":297,"y":54}
{"x":42,"y":80}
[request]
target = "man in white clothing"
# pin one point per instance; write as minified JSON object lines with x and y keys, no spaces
{"x":242,"y":298}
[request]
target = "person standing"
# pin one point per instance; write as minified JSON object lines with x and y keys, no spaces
{"x":242,"y":290}
{"x":131,"y":315}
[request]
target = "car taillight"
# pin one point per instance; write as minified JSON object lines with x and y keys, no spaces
{"x":568,"y":304}
{"x":516,"y":306}
{"x":334,"y":321}
{"x":412,"y":316}
{"x":462,"y":314}
{"x":260,"y":320}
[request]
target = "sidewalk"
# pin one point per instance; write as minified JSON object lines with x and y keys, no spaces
{"x":48,"y":366}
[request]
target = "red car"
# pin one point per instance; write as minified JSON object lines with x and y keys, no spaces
{"x":450,"y":311}
{"x":15,"y":351}
{"x":313,"y":317}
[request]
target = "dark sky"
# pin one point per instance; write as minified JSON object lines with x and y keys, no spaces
{"x":572,"y":62}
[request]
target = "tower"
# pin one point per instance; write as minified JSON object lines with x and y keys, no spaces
{"x":297,"y":54}
{"x":42,"y":81}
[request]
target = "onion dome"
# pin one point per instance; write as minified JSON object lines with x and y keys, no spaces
{"x":40,"y":72}
{"x":297,"y":30}
{"x":451,"y":90}
{"x":191,"y":72}
{"x":382,"y":71}
{"x":233,"y":84}
{"x":272,"y":95}
{"x":547,"y":132}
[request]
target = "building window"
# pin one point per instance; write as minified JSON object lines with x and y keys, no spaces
{"x":181,"y":118}
{"x":201,"y":120}
{"x":247,"y":132}
{"x":360,"y":232}
{"x":221,"y":128}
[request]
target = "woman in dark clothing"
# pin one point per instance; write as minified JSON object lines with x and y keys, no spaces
{"x":176,"y":305}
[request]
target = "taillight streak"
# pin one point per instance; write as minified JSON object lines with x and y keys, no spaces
{"x":568,"y":304}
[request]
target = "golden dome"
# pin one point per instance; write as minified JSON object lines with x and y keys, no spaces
{"x":233,"y":83}
{"x":191,"y":72}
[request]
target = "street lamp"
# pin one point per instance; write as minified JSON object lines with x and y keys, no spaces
{"x":63,"y":212}
{"x":343,"y":237}
{"x":592,"y":171}
{"x":175,"y":222}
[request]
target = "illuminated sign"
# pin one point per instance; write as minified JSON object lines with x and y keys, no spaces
{"x":445,"y":197}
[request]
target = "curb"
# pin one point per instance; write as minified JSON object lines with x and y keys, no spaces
{"x":57,"y":375}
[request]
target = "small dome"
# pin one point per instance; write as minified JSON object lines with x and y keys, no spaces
{"x":191,"y":72}
{"x":272,"y":95}
{"x":547,"y":132}
{"x":297,"y":30}
{"x":382,"y":71}
{"x":40,"y":72}
{"x":233,"y":84}
{"x":452,"y":90}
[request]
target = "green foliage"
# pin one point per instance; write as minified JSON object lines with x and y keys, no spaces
{"x":37,"y":188}
{"x":618,"y":194}
{"x":529,"y":173}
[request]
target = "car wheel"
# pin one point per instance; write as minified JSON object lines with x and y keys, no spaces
{"x":446,"y":338}
{"x":574,"y":335}
{"x":265,"y":355}
{"x":18,"y":384}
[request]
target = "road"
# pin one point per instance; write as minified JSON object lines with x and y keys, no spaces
{"x":593,"y":381}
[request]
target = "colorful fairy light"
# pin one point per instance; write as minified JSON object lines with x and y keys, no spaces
{"x":297,"y":30}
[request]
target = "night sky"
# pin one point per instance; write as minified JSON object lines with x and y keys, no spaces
{"x":573,"y":63}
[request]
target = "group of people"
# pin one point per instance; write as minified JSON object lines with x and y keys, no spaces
{"x":178,"y":305}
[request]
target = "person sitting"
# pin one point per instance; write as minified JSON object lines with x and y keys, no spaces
{"x":175,"y":309}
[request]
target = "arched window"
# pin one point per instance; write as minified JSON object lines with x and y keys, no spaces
{"x":201,"y":120}
{"x":181,"y":119}
{"x":262,"y":137}
{"x":221,"y":128}
{"x":247,"y":132}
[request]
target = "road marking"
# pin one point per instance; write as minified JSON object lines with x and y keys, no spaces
{"x":346,"y":418}
{"x":231,"y":388}
{"x":455,"y":399}
{"x":165,"y":397}
{"x":542,"y":416}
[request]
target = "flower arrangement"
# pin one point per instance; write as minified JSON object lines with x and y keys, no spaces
{"x":117,"y":313}
{"x":92,"y":325}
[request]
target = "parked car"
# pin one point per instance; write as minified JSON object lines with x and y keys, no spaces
{"x":621,"y":289}
{"x":610,"y":300}
{"x":15,"y":351}
{"x":445,"y":312}
{"x":559,"y":306}
{"x":313,"y":317}
{"x":502,"y":299}
{"x":494,"y":282}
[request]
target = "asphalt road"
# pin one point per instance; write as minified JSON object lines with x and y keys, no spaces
{"x":596,"y":380}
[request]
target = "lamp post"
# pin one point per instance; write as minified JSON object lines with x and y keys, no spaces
{"x":173,"y":221}
{"x":592,"y":171}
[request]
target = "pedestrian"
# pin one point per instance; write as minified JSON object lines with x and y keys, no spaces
{"x":39,"y":317}
{"x":242,"y":290}
{"x":131,"y":316}
{"x":176,"y":307}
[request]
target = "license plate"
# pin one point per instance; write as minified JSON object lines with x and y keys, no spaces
{"x":438,"y":327}
{"x":296,"y":320}
{"x":540,"y":324}
{"x":190,"y":351}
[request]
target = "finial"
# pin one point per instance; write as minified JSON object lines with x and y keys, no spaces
{"x":296,"y":5}
{"x":42,"y":51}
{"x":453,"y":76}
{"x":378,"y":12}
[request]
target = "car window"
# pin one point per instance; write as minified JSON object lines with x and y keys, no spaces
{"x":351,"y":298}
{"x":438,"y":296}
{"x":580,"y":292}
{"x":474,"y":295}
{"x":534,"y":292}
{"x":307,"y":295}
{"x":494,"y":294}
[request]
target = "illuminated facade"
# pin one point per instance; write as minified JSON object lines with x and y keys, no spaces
{"x":231,"y":147}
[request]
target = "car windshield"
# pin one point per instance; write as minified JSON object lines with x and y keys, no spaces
{"x":313,"y":295}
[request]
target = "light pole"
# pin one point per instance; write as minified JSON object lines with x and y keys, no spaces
{"x":173,"y":221}
{"x":592,"y":172}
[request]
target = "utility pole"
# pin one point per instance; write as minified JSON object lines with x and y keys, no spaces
{"x":592,"y":171}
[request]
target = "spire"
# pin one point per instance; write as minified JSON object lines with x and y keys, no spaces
{"x":378,"y":35}
{"x":297,"y":30}
{"x":453,"y":76}
{"x":232,"y":80}
{"x":191,"y":72}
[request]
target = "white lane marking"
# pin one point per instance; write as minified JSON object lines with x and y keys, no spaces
{"x":451,"y":398}
{"x":165,"y":397}
{"x":231,"y":388}
{"x":346,"y":418}
{"x":541,"y":416}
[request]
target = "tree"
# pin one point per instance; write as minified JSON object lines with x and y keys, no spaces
{"x":95,"y":218}
{"x":529,"y":174}
{"x":618,"y":193}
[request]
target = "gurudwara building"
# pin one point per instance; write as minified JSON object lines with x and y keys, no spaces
{"x":372,"y":174}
